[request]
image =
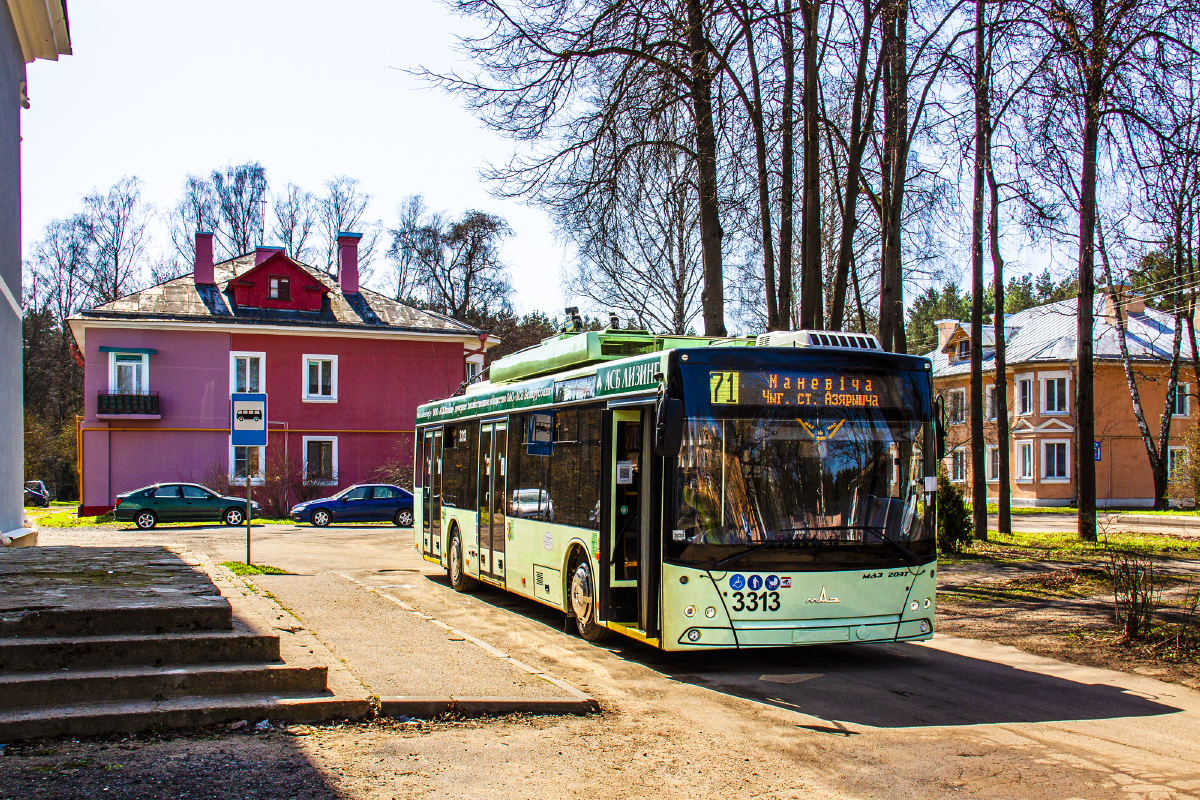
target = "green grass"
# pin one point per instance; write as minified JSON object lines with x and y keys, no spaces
{"x":1066,"y":545}
{"x":70,"y":520}
{"x":242,"y":568}
{"x":1022,"y":511}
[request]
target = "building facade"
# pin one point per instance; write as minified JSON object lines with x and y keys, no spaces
{"x":1039,"y":383}
{"x":29,"y":29}
{"x":344,"y":369}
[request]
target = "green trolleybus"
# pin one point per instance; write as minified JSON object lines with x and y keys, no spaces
{"x":693,"y":493}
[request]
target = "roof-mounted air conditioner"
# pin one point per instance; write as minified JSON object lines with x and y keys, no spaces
{"x":825,"y":339}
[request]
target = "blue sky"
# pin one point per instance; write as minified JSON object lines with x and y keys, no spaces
{"x":310,"y":89}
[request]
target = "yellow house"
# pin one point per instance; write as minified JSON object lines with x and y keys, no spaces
{"x":1039,"y":381}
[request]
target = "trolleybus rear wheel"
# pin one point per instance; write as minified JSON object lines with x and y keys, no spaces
{"x":460,"y":581}
{"x":583,"y":602}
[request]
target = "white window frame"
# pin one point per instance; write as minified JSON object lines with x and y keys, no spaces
{"x":255,"y":480}
{"x":993,"y":451}
{"x":962,"y":393}
{"x":1024,"y":476}
{"x":112,"y":370}
{"x":961,"y":453}
{"x":262,"y":368}
{"x":989,"y":397}
{"x":1046,"y":377}
{"x":1046,"y":461}
{"x":304,"y":458}
{"x":1182,"y":390}
{"x":1026,"y":379}
{"x":1172,"y":455}
{"x":333,"y":378}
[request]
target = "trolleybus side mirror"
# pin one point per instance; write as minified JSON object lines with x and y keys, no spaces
{"x":668,"y":433}
{"x":939,"y":426}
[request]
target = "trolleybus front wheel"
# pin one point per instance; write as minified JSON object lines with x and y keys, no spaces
{"x":460,"y":581}
{"x":583,"y":603}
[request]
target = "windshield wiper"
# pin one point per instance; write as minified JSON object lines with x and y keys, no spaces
{"x":909,"y":556}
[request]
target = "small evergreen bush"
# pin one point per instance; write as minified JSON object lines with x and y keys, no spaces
{"x":954,"y":527}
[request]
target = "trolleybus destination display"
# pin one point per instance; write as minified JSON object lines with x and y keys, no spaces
{"x":824,"y":388}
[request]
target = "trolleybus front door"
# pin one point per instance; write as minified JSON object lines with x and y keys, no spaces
{"x":633,"y":558}
{"x":493,"y":459}
{"x":431,"y":500}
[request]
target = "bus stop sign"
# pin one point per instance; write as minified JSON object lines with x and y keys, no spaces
{"x":248,"y":419}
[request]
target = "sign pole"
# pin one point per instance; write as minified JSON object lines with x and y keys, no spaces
{"x":248,"y":562}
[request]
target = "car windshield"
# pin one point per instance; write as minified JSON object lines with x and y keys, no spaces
{"x":343,"y":492}
{"x":818,"y":491}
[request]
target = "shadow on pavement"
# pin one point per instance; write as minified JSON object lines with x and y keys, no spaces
{"x":883,"y":686}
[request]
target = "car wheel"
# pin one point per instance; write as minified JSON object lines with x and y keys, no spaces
{"x":583,"y":602}
{"x":145,"y":520}
{"x":234,"y":517}
{"x":404,"y":518}
{"x":460,"y":581}
{"x":321,"y":518}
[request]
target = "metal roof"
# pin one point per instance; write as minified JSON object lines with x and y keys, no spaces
{"x":1047,"y":334}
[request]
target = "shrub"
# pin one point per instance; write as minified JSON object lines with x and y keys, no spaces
{"x":954,"y":526}
{"x":1135,"y":595}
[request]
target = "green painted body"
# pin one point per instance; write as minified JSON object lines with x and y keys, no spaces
{"x":818,"y":607}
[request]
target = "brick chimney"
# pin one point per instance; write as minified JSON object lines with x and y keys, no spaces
{"x":945,"y":327}
{"x":202,"y":268}
{"x":263,"y":252}
{"x":348,"y":261}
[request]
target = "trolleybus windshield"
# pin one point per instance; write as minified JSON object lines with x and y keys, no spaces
{"x":818,"y":469}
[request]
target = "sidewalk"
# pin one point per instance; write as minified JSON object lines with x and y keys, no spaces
{"x":1128,"y":521}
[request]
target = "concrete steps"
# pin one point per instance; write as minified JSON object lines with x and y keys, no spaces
{"x":102,"y":649}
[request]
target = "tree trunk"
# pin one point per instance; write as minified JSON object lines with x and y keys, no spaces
{"x":978,"y":447}
{"x":713,"y":296}
{"x":787,"y":192}
{"x":760,"y":156}
{"x":812,"y":312}
{"x":859,"y":134}
{"x":1004,"y":500}
{"x":1085,"y":411}
{"x":891,"y":295}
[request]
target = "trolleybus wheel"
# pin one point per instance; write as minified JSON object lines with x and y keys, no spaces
{"x":583,"y":603}
{"x":460,"y":581}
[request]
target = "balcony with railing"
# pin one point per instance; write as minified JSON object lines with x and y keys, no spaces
{"x":127,"y":406}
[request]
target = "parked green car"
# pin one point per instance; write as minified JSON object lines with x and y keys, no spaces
{"x":180,"y":502}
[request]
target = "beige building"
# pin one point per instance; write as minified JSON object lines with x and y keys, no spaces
{"x":1040,"y":385}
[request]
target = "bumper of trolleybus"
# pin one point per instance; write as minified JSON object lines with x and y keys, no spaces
{"x":844,"y":607}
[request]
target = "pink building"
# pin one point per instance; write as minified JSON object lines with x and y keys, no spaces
{"x":344,"y":369}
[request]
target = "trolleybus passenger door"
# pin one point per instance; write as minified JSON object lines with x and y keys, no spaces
{"x":431,"y":500}
{"x":493,"y":441}
{"x":632,"y":562}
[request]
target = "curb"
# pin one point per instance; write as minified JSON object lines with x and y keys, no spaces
{"x":415,"y":706}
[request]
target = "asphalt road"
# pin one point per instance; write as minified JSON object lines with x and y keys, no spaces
{"x":951,"y":718}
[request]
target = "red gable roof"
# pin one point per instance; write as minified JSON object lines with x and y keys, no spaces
{"x":298,"y":290}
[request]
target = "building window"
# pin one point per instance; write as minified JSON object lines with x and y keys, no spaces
{"x":472,"y":371}
{"x":1025,"y":461}
{"x":958,"y":465}
{"x":991,"y":403}
{"x":280,"y":288}
{"x":320,"y":379}
{"x":128,"y":373}
{"x":1056,"y":466}
{"x":1177,"y":464}
{"x":963,"y":351}
{"x":247,"y":372}
{"x":993,"y":463}
{"x":1180,"y":406}
{"x":1054,"y":394}
{"x":957,"y":409}
{"x":243,"y":458}
{"x":320,"y":459}
{"x":1024,"y":397}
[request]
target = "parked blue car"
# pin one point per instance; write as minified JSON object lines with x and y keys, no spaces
{"x":362,"y":502}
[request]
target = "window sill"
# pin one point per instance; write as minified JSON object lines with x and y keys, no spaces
{"x":129,"y":416}
{"x":1024,"y":480}
{"x":240,"y":480}
{"x":1056,"y":480}
{"x":318,"y":399}
{"x":321,"y":482}
{"x":1056,"y":413}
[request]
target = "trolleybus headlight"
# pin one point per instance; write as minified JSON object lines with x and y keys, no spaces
{"x":914,"y":605}
{"x":924,"y":626}
{"x":928,"y":602}
{"x":690,"y":611}
{"x":693,"y":635}
{"x":710,"y":612}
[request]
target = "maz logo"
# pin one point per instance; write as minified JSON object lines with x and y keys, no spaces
{"x":823,"y":598}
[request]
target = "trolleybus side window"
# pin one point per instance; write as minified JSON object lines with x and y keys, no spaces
{"x":564,"y":487}
{"x":419,"y":462}
{"x":459,"y":444}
